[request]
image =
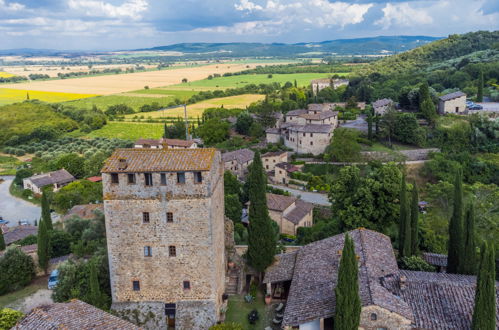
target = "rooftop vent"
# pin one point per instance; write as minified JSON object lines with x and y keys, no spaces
{"x":122,"y":164}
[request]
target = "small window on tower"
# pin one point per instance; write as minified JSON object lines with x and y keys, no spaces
{"x":115,"y":178}
{"x":187,"y":285}
{"x":145,"y":217}
{"x":147,"y":251}
{"x":169,"y":217}
{"x":136,"y":286}
{"x":172,"y":251}
{"x":374,"y":317}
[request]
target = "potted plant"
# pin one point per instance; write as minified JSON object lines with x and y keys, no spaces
{"x":268,"y":299}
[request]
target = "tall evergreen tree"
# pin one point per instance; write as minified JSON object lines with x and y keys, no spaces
{"x":468,"y":266}
{"x":369,"y":125}
{"x":426,"y":105}
{"x":165,"y":130}
{"x":95,"y":294}
{"x":484,"y":312}
{"x":2,"y":241}
{"x":456,"y":227}
{"x":404,"y":222}
{"x":43,"y":246}
{"x":479,"y":94}
{"x":347,"y":313}
{"x":414,"y":220}
{"x":46,"y":212}
{"x":261,"y":239}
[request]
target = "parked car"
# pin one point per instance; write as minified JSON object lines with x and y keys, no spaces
{"x":3,"y":222}
{"x":53,"y":279}
{"x":475,"y":107}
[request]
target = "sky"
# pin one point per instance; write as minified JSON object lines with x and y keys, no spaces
{"x":132,"y":24}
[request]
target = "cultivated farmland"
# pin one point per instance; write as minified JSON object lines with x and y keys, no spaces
{"x":8,"y":95}
{"x":119,"y":83}
{"x":129,"y":131}
{"x":6,"y":74}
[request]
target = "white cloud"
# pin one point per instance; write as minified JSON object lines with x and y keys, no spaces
{"x":130,"y":8}
{"x":12,"y":6}
{"x":247,"y":5}
{"x":402,"y":14}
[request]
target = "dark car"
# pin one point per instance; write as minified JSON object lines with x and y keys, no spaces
{"x":475,"y":107}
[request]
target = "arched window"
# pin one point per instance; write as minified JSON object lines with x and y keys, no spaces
{"x":374,"y":317}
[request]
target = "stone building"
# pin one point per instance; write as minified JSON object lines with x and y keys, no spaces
{"x":289,"y":213}
{"x":452,"y":103}
{"x":391,"y":299}
{"x":282,"y":173}
{"x":319,"y":84}
{"x":272,"y":158}
{"x":237,"y":161}
{"x":162,"y":143}
{"x":164,"y":213}
{"x":382,"y":106}
{"x":57,"y":179}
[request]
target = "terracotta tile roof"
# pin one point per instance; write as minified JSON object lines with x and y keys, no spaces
{"x":170,"y":142}
{"x":157,"y":160}
{"x":320,"y":115}
{"x":19,"y":232}
{"x":451,"y":96}
{"x":296,"y":112}
{"x":45,"y":179}
{"x":151,"y":142}
{"x":315,"y":274}
{"x":279,"y":202}
{"x":282,"y":269}
{"x":84,"y":211}
{"x":73,"y":315}
{"x":438,"y":300}
{"x":382,"y":103}
{"x":26,"y":249}
{"x":435,"y":259}
{"x":312,"y":128}
{"x":274,"y":153}
{"x":95,"y":178}
{"x":287,"y":167}
{"x":299,"y":212}
{"x":241,"y":156}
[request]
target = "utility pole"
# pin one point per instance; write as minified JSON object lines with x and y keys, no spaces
{"x":186,"y":121}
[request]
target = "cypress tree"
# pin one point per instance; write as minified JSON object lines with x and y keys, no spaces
{"x":165,"y":130}
{"x":469,"y":251}
{"x":404,"y":222}
{"x":369,"y":125}
{"x":261,"y":238}
{"x":479,"y":94}
{"x":95,"y":294}
{"x":414,"y":220}
{"x":46,"y":212}
{"x":347,"y":313}
{"x":43,"y":247}
{"x":426,"y":105}
{"x":484,"y":312}
{"x":456,"y":227}
{"x":2,"y":241}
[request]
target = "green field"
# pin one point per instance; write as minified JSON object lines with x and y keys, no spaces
{"x":9,"y":95}
{"x":129,"y":131}
{"x":302,"y":79}
{"x":8,"y":165}
{"x":238,"y":311}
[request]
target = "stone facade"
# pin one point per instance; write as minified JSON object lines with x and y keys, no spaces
{"x":187,"y":218}
{"x":452,"y":103}
{"x":319,"y":84}
{"x":271,"y":159}
{"x":309,"y":139}
{"x":237,"y":162}
{"x":382,"y":106}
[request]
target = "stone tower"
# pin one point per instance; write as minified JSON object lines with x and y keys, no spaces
{"x":164,"y":213}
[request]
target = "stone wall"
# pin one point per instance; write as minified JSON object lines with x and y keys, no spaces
{"x":408,"y":155}
{"x":302,"y":144}
{"x":451,"y":105}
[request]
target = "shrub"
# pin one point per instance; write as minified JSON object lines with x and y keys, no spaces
{"x":415,"y":263}
{"x":9,"y":318}
{"x":17,"y":269}
{"x":253,"y":289}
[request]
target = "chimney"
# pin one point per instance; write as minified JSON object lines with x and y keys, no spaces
{"x":163,"y":143}
{"x":122,"y":164}
{"x":403,"y":282}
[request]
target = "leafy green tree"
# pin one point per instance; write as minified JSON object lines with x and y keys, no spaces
{"x":484,"y":312}
{"x":414,"y":219}
{"x":261,"y":245}
{"x":389,"y":123}
{"x":469,"y":250}
{"x":72,"y":163}
{"x":9,"y":318}
{"x":16,"y":270}
{"x":60,"y":243}
{"x":344,"y":146}
{"x":43,"y":246}
{"x":479,"y":95}
{"x":213,"y":131}
{"x":456,"y":227}
{"x":415,"y":263}
{"x":233,"y":207}
{"x":46,"y":212}
{"x":77,"y":192}
{"x":426,"y":105}
{"x":404,"y":222}
{"x":94,"y":164}
{"x":232,"y":186}
{"x":243,"y":123}
{"x":348,"y":306}
{"x":95,"y":295}
{"x":21,"y":174}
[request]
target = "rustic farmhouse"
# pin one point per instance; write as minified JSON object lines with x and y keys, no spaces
{"x":272,"y":158}
{"x":319,"y":84}
{"x":382,"y":106}
{"x":237,"y":161}
{"x":390,"y":298}
{"x":289,"y":213}
{"x":57,"y":179}
{"x":452,"y":103}
{"x":164,"y":212}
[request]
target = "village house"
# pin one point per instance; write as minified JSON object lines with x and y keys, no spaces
{"x":271,"y":159}
{"x":306,"y":130}
{"x":382,"y":106}
{"x":17,"y":233}
{"x":164,"y":211}
{"x":390,"y":298}
{"x":319,"y":84}
{"x":57,"y":179}
{"x":289,"y":213}
{"x":74,"y":314}
{"x":163,"y":143}
{"x":84,"y":211}
{"x":237,"y":161}
{"x":439,"y":261}
{"x":452,"y":103}
{"x":282,"y":173}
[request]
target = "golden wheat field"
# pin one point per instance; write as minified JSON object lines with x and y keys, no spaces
{"x":4,"y":74}
{"x":197,"y":109}
{"x":9,"y":95}
{"x":112,"y":84}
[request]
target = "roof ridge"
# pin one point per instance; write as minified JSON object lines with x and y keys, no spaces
{"x":364,"y":255}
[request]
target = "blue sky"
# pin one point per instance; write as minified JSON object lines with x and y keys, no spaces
{"x":128,"y":24}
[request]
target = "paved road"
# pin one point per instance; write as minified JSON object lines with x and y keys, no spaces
{"x":15,"y":209}
{"x":315,"y":198}
{"x":359,"y":124}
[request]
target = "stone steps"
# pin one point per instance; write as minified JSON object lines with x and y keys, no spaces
{"x":233,"y":281}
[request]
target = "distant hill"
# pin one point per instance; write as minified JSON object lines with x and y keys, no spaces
{"x":481,"y":46}
{"x":360,"y":46}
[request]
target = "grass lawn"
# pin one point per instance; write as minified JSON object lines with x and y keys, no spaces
{"x":302,"y":79}
{"x":381,"y":147}
{"x":8,"y":165}
{"x":13,"y":297}
{"x":129,"y":131}
{"x":238,"y":311}
{"x":9,"y":95}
